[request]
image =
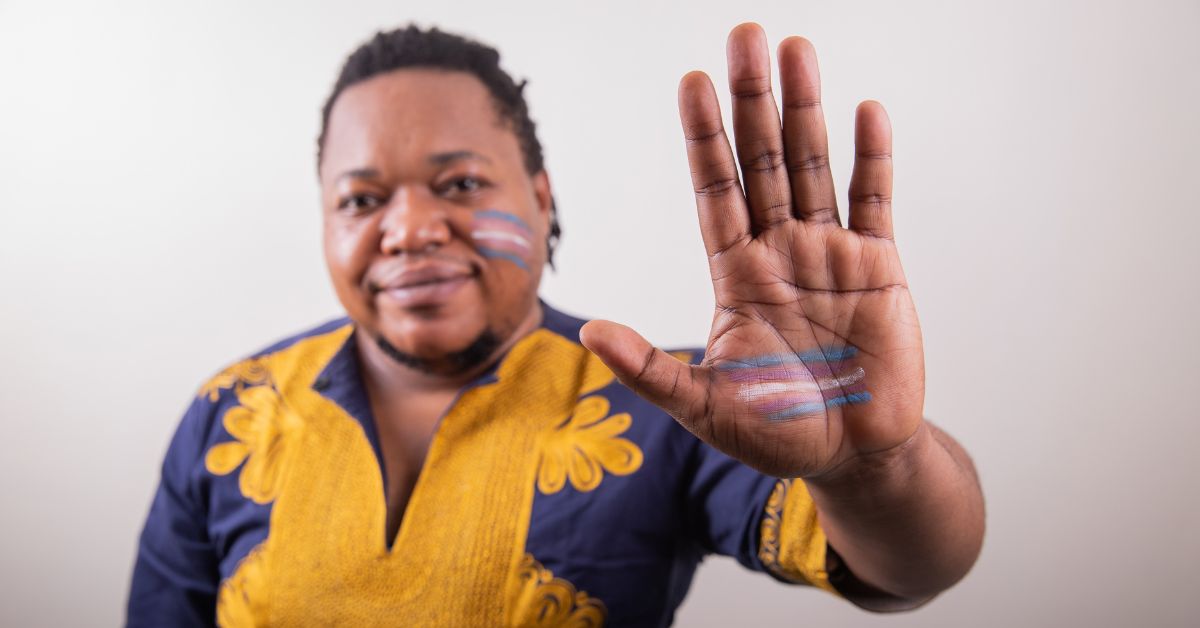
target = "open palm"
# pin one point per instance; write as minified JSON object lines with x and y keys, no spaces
{"x":815,"y":352}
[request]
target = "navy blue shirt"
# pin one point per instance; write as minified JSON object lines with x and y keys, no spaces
{"x":551,"y":494}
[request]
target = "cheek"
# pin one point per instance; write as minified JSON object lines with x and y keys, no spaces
{"x":514,"y":251}
{"x":507,"y":292}
{"x":503,"y":237}
{"x":509,"y":289}
{"x":347,"y":250}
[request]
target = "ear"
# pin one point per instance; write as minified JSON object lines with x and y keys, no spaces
{"x":545,"y":199}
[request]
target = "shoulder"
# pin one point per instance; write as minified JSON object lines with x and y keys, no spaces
{"x":330,"y":326}
{"x":277,"y":363}
{"x":561,"y":323}
{"x":568,"y":326}
{"x":273,"y":360}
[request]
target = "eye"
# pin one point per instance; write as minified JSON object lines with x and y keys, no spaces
{"x":359,"y":203}
{"x":464,"y":185}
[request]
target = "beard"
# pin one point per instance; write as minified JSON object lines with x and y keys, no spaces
{"x":458,"y":362}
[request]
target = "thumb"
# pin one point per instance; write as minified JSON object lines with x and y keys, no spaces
{"x":651,"y":373}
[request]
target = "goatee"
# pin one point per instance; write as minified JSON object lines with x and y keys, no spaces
{"x":458,"y":362}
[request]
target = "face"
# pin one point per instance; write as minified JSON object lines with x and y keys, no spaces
{"x":434,"y":232}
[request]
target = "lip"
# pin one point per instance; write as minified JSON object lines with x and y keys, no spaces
{"x":422,"y":286}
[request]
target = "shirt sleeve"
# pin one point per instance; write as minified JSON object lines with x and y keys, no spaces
{"x":767,"y":524}
{"x":175,"y":577}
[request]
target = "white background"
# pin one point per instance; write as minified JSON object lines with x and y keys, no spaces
{"x":160,"y":219}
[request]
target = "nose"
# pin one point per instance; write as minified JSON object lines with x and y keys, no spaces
{"x":413,"y":222}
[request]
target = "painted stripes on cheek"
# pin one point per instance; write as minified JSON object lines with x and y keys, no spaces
{"x":785,"y":386}
{"x":501,"y":235}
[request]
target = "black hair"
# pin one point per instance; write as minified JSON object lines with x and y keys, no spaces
{"x":411,"y":47}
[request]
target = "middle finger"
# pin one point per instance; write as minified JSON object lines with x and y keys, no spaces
{"x":756,"y":128}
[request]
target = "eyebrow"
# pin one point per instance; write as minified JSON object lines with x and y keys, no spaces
{"x":358,"y":173}
{"x":440,"y":159}
{"x":437,"y":159}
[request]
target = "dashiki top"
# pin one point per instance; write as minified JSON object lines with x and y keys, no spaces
{"x":551,"y":495}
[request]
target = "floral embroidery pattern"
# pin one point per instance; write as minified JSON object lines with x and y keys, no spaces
{"x":235,"y":604}
{"x":325,"y":563}
{"x":585,"y":446}
{"x":543,"y":600}
{"x":250,"y":372}
{"x":768,"y":546}
{"x":791,"y":541}
{"x":260,"y":426}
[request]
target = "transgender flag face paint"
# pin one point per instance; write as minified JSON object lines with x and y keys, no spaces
{"x":501,"y":235}
{"x":785,"y":386}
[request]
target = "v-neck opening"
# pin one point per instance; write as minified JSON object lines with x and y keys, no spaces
{"x":341,"y":381}
{"x":389,"y":544}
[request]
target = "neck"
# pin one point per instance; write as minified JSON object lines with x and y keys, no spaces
{"x":397,"y":378}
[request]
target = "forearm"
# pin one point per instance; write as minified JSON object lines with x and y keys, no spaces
{"x":909,"y":521}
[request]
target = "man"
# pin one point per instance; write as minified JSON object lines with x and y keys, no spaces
{"x":451,"y":454}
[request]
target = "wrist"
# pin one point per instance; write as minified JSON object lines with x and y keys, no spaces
{"x":886,"y":469}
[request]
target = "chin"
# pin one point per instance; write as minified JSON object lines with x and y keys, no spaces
{"x":444,"y":351}
{"x":432,"y":337}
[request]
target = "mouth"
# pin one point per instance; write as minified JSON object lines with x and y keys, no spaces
{"x":427,"y":285}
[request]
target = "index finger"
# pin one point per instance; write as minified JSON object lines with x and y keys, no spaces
{"x":720,"y":204}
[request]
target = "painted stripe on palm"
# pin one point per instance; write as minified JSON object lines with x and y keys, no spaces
{"x":784,"y":386}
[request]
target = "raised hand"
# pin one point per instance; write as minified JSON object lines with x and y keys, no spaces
{"x":815,"y":355}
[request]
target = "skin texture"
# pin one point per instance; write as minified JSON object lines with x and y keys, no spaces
{"x":898,"y":498}
{"x":410,"y":158}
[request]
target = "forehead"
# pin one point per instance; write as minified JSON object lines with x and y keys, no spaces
{"x":398,"y":118}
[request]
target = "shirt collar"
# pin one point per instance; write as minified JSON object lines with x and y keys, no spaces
{"x":341,"y":380}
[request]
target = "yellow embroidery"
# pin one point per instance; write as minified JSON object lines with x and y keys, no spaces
{"x":544,"y":600}
{"x":262,"y":426}
{"x":586,"y":446}
{"x":249,"y":372}
{"x":768,"y":541}
{"x":682,"y":356}
{"x":791,"y":542}
{"x":458,"y":555}
{"x":235,"y":606}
